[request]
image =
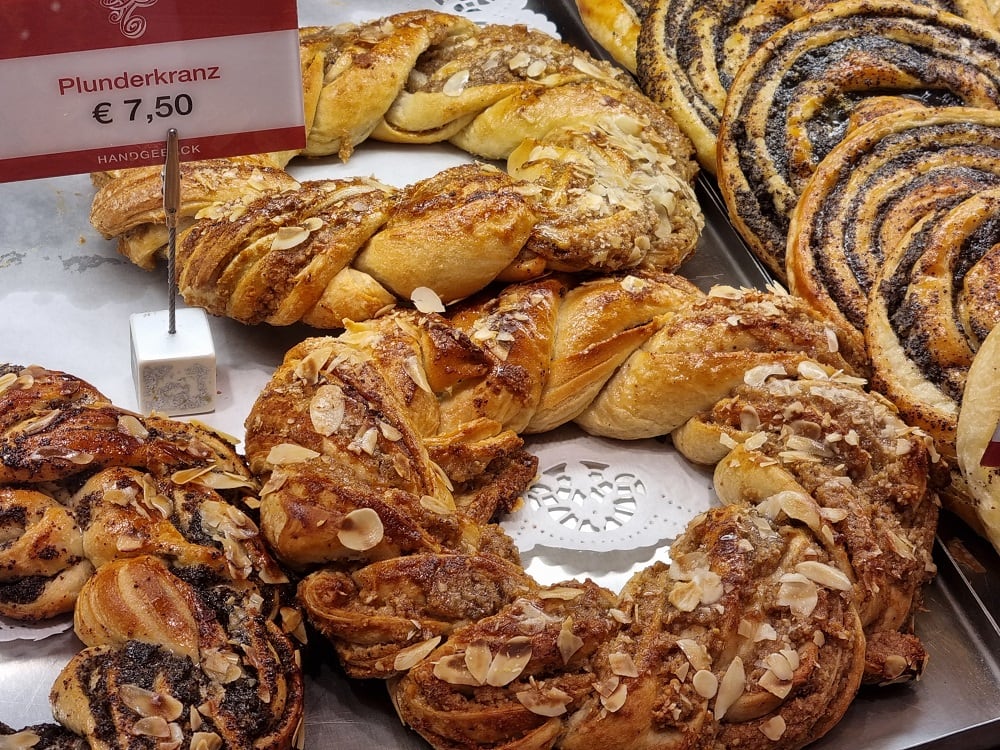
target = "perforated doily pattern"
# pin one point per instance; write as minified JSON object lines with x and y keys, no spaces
{"x":604,"y":495}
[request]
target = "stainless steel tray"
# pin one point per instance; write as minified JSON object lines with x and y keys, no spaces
{"x":65,"y":296}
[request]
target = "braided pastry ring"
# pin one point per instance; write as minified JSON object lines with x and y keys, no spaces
{"x":600,"y":178}
{"x":775,"y":127}
{"x":348,"y":436}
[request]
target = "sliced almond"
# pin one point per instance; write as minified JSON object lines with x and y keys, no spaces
{"x":544,"y":701}
{"x":205,"y":741}
{"x":778,"y":663}
{"x":773,"y":728}
{"x":617,"y":699}
{"x":695,"y":653}
{"x":509,"y":662}
{"x":426,"y":300}
{"x":327,"y":409}
{"x":478,"y":658}
{"x":288,"y":237}
{"x":568,"y":641}
{"x":622,"y":664}
{"x":705,"y":683}
{"x":454,"y":670}
{"x":289,"y":453}
{"x":151,"y":726}
{"x":26,"y":738}
{"x":147,"y":703}
{"x":774,"y":685}
{"x":409,"y":657}
{"x":798,"y":593}
{"x":731,"y":687}
{"x":824,"y":575}
{"x":361,"y":529}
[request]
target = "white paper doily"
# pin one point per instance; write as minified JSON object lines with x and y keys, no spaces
{"x":600,"y":495}
{"x":13,"y":630}
{"x":479,"y":11}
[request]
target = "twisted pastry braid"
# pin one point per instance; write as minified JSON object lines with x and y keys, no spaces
{"x":598,"y":178}
{"x":184,"y":611}
{"x":164,"y":660}
{"x":775,"y":608}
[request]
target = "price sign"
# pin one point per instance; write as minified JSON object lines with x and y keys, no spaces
{"x":92,"y":85}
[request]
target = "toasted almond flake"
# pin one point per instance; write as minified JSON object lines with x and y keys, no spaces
{"x":444,"y":506}
{"x":521,"y":60}
{"x":361,"y":529}
{"x":765,"y":632}
{"x":727,"y":441}
{"x":695,"y":653}
{"x":774,"y":685}
{"x":682,"y":671}
{"x":705,"y":683}
{"x":290,"y":453}
{"x":7,"y":380}
{"x":793,"y":657}
{"x":895,"y":665}
{"x":151,"y":726}
{"x":616,"y":700}
{"x":478,"y":658}
{"x":568,"y":641}
{"x":130,"y":424}
{"x":731,"y":687}
{"x":310,"y":366}
{"x":799,"y":506}
{"x":189,"y":475}
{"x":798,"y":593}
{"x":453,"y":670}
{"x":723,"y":291}
{"x":819,"y":638}
{"x":37,"y":424}
{"x":824,"y":575}
{"x":509,"y":662}
{"x":757,"y":376}
{"x":409,"y":657}
{"x":560,"y":592}
{"x":147,"y":703}
{"x":288,"y":237}
{"x":621,"y":616}
{"x":205,"y":741}
{"x":833,"y":515}
{"x":426,"y":300}
{"x":327,"y":409}
{"x":685,"y":596}
{"x":810,"y":370}
{"x":19,"y":740}
{"x":746,"y":629}
{"x":773,"y":728}
{"x":832,"y":344}
{"x":411,"y":366}
{"x":544,"y":702}
{"x":536,"y":69}
{"x":313,"y":223}
{"x":622,"y":664}
{"x":608,"y":685}
{"x":455,"y":85}
{"x":778,"y":663}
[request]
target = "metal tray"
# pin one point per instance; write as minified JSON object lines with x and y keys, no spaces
{"x":65,"y":297}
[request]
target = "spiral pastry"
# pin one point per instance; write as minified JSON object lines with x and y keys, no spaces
{"x":793,"y":100}
{"x":688,"y":54}
{"x":912,"y":276}
{"x":598,"y":178}
{"x":54,"y":426}
{"x":177,"y":665}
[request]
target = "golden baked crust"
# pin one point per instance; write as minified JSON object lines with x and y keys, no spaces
{"x":600,"y":179}
{"x":615,"y":25}
{"x":343,"y":435}
{"x":775,"y":128}
{"x":899,"y":250}
{"x":141,"y":527}
{"x":689,"y":53}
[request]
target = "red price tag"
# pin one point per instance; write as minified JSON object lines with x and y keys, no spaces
{"x":91,"y":85}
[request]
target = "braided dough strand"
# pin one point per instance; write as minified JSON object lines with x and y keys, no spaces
{"x":600,"y":179}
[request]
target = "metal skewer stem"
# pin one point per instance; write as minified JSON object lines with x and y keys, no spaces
{"x":171,"y":205}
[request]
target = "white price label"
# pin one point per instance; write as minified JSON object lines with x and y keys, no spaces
{"x":91,"y":85}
